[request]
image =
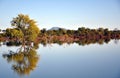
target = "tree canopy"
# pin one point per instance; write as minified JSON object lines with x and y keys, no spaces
{"x":27,"y":26}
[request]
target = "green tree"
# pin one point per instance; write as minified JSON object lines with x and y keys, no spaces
{"x":27,"y":26}
{"x":14,"y":33}
{"x":43,"y":31}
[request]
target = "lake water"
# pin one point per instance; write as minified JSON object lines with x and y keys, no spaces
{"x":68,"y":61}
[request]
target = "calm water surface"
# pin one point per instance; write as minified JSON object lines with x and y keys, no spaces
{"x":68,"y":61}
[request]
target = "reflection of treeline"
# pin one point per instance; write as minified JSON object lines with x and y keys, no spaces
{"x":79,"y":42}
{"x":60,"y":42}
{"x":82,"y":35}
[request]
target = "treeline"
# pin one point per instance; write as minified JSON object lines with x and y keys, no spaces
{"x":65,"y":35}
{"x":80,"y":36}
{"x":82,"y":33}
{"x":26,"y":31}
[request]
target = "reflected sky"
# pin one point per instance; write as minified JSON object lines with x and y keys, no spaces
{"x":71,"y":61}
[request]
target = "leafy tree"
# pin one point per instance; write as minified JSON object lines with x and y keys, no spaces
{"x":70,"y":32}
{"x":14,"y":33}
{"x":43,"y":31}
{"x":27,"y":26}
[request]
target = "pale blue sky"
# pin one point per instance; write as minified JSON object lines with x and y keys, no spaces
{"x":63,"y":13}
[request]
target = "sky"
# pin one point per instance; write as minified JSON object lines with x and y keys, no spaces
{"x":69,"y":14}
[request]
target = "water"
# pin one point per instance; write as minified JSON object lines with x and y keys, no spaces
{"x":68,"y":61}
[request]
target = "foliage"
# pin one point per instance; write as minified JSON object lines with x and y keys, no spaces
{"x":26,"y":29}
{"x":27,"y":26}
{"x":14,"y":33}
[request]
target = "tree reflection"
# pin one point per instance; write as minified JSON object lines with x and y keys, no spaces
{"x":116,"y":41}
{"x":24,"y":61}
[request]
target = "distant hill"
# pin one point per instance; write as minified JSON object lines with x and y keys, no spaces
{"x":56,"y":28}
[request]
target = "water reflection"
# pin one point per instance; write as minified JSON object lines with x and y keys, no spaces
{"x":24,"y":60}
{"x":81,"y":42}
{"x":116,"y":41}
{"x":74,"y":61}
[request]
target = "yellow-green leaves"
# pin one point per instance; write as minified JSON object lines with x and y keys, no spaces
{"x":27,"y":26}
{"x":14,"y":33}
